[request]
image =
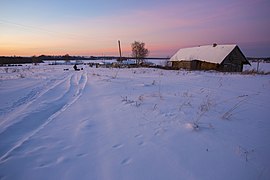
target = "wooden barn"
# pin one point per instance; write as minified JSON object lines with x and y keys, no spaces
{"x":227,"y":58}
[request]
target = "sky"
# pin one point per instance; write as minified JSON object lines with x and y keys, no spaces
{"x":93,"y":27}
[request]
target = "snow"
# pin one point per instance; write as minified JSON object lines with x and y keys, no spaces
{"x":265,"y":67}
{"x":218,"y":53}
{"x":132,"y":124}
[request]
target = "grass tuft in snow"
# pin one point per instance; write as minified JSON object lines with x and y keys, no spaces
{"x":228,"y":114}
{"x":132,"y":102}
{"x":244,"y":152}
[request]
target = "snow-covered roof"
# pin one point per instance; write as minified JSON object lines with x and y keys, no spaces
{"x":210,"y":53}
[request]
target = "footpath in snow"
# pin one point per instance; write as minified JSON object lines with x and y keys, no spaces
{"x":133,"y":124}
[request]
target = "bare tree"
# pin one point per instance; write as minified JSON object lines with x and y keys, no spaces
{"x":66,"y":58}
{"x":35,"y":60}
{"x":139,"y":51}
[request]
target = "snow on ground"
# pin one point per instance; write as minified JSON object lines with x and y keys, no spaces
{"x":265,"y":67}
{"x":132,"y":124}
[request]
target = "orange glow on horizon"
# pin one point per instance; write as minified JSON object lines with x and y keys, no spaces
{"x":32,"y":48}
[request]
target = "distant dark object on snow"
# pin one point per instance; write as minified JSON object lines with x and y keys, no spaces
{"x":76,"y":68}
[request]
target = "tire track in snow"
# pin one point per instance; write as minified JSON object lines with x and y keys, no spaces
{"x":33,"y":94}
{"x":17,"y":134}
{"x":22,"y":104}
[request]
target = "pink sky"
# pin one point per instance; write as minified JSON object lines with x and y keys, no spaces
{"x":94,"y":27}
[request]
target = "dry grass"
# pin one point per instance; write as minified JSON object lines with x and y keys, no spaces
{"x":253,"y":72}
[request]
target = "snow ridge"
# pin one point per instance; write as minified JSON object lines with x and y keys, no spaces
{"x":73,"y":94}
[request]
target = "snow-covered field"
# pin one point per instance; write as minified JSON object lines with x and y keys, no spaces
{"x":265,"y":67}
{"x":115,"y":124}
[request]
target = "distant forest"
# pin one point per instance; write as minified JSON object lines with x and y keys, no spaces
{"x":42,"y":58}
{"x":256,"y":59}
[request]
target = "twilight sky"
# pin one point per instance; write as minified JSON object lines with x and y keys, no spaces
{"x":92,"y":27}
